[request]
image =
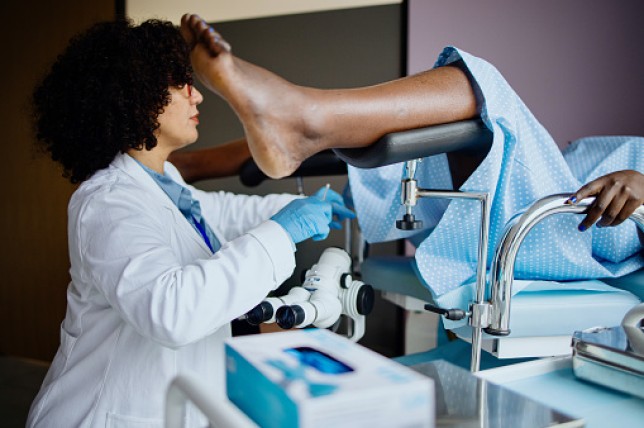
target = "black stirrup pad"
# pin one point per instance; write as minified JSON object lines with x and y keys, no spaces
{"x":468,"y":136}
{"x":321,"y":164}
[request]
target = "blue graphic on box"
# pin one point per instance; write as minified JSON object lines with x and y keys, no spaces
{"x":309,"y":358}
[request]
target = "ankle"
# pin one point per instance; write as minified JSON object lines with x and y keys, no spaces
{"x":316,"y":120}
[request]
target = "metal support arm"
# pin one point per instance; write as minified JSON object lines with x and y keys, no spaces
{"x":478,"y":314}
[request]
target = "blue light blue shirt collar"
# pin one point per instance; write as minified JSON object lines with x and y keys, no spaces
{"x":189,"y":207}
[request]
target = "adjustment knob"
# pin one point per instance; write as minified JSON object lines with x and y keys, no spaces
{"x":409,"y":222}
{"x":346,"y":280}
{"x":365,"y":299}
{"x":450,"y":314}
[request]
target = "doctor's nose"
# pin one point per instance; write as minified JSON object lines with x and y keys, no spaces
{"x":196,"y":97}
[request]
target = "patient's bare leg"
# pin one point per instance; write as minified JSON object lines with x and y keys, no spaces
{"x":286,"y":123}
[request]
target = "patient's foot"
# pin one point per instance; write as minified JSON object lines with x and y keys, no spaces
{"x":195,"y":30}
{"x":271,"y":109}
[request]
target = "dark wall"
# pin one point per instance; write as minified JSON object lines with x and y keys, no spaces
{"x":33,"y":215}
{"x":578,"y":64}
{"x":336,"y":49}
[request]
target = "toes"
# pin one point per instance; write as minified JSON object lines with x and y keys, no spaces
{"x":186,"y":31}
{"x":195,"y":30}
{"x":214,"y":41}
{"x":223,"y":44}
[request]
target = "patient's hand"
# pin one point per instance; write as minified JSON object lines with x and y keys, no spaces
{"x":617,"y":196}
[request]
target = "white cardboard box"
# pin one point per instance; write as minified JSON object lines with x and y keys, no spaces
{"x":315,"y":378}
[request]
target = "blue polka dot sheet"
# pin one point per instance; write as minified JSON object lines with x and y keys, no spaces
{"x":523,"y":165}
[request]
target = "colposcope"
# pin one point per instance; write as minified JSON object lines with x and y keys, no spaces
{"x":328,"y":292}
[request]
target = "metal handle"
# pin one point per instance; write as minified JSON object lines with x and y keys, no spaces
{"x":634,"y":332}
{"x":634,"y":317}
{"x":219,"y":411}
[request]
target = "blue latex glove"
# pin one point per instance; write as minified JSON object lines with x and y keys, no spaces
{"x":313,"y":217}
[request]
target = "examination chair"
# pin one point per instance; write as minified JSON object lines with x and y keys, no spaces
{"x":559,"y":312}
{"x":500,"y":323}
{"x":528,"y":324}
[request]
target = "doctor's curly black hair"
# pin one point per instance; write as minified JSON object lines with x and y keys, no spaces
{"x":104,"y":93}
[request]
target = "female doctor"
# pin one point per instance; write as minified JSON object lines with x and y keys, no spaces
{"x":158,"y":268}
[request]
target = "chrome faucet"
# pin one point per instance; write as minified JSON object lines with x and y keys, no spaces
{"x":492,"y":316}
{"x":502,"y":270}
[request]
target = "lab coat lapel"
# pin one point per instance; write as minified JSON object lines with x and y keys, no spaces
{"x":128,"y":165}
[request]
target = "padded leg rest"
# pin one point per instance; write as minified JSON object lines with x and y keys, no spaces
{"x":633,"y":282}
{"x":549,"y":312}
{"x":397,"y":277}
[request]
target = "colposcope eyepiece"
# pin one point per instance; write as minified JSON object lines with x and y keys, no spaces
{"x":260,"y":313}
{"x":289,"y":316}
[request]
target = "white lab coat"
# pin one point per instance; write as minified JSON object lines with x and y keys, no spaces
{"x":148,"y":300}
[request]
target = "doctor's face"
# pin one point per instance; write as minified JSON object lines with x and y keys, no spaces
{"x":179,"y":120}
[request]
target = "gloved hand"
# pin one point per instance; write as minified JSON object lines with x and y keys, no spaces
{"x":340,"y":210}
{"x":313,"y":217}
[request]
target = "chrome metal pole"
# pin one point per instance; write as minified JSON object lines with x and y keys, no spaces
{"x":478,"y":316}
{"x":481,"y":281}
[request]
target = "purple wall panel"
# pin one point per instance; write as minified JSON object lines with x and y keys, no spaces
{"x":578,"y":64}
